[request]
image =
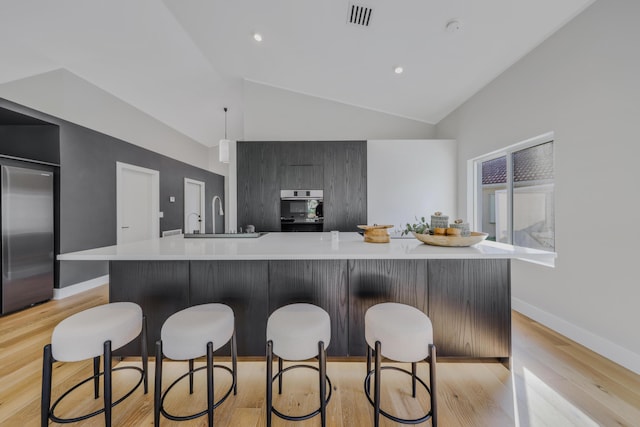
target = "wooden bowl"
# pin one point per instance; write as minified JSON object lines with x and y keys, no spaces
{"x":437,"y":240}
{"x":376,"y":233}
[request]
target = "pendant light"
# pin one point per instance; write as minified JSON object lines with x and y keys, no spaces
{"x":224,"y":143}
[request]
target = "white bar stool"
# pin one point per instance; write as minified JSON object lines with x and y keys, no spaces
{"x":89,"y":334}
{"x":298,"y":332}
{"x":186,"y":335}
{"x":401,"y":333}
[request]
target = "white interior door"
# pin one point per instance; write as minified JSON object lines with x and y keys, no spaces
{"x":194,"y":210}
{"x":138,"y":203}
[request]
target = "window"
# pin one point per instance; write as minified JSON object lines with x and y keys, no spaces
{"x":514,"y":194}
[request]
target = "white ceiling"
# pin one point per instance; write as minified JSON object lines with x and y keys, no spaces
{"x":182,"y":61}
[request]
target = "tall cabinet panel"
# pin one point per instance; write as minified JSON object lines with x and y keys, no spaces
{"x":345,"y":185}
{"x":301,"y":165}
{"x":259,"y":185}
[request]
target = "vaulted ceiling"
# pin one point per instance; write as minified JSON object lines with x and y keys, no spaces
{"x":182,"y":61}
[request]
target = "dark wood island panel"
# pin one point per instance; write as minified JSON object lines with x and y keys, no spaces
{"x":468,"y":301}
{"x":470,"y":307}
{"x":243,"y":286}
{"x":373,"y":281}
{"x":320,"y":282}
{"x":161,"y":288}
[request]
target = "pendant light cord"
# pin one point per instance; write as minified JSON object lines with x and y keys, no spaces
{"x":225,"y":122}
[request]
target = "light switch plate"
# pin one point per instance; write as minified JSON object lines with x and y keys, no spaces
{"x":161,"y":215}
{"x":172,"y":199}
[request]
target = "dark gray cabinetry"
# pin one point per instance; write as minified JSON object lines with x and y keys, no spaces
{"x":259,"y":185}
{"x":470,"y":307}
{"x":301,"y":177}
{"x":345,"y":185}
{"x":161,"y":288}
{"x":337,"y":167}
{"x":301,"y":165}
{"x":319,"y":282}
{"x":243,"y":286}
{"x":376,"y":281}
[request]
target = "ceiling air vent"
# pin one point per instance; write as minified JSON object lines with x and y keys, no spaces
{"x":359,"y":15}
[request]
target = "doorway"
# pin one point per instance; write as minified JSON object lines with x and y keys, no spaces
{"x":138,"y":203}
{"x":194,"y":210}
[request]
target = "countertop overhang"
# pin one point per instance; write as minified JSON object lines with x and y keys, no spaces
{"x":298,"y":246}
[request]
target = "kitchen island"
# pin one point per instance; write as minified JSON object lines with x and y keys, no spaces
{"x":465,"y":291}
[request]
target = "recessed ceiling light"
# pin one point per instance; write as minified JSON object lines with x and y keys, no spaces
{"x":398,"y":70}
{"x":257,"y":37}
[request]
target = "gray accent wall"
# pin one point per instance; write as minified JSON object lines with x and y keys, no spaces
{"x":87,"y":189}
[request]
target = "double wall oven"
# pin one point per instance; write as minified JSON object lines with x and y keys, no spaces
{"x":301,"y":210}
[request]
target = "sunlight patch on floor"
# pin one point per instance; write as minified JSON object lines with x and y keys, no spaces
{"x":542,"y":403}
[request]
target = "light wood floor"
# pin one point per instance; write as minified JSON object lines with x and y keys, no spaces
{"x":554,"y":382}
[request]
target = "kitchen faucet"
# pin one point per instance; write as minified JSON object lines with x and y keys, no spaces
{"x":213,"y":213}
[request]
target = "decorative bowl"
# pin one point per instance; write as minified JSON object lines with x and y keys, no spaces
{"x":375,"y":233}
{"x":439,"y":240}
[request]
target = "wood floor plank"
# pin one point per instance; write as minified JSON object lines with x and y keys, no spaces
{"x":554,"y":382}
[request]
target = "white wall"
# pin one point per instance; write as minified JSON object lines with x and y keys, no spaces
{"x":410,"y":178}
{"x":214,"y":162}
{"x":67,"y":96}
{"x":277,"y":114}
{"x":582,"y":83}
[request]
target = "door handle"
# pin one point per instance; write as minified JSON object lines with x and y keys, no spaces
{"x":125,"y":227}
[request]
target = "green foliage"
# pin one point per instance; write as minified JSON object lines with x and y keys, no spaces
{"x":420,"y":226}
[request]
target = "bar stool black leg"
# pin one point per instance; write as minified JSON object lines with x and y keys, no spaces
{"x":432,"y":381}
{"x":157,"y":397}
{"x":269,"y":381}
{"x":368,"y":359}
{"x":376,"y":399}
{"x":191,"y":366}
{"x":210,"y":401}
{"x":413,"y":379}
{"x":234,"y":362}
{"x":280,"y":375}
{"x":96,"y":377}
{"x":145,"y":354}
{"x":322,"y":369}
{"x":107,"y":383}
{"x":45,"y":404}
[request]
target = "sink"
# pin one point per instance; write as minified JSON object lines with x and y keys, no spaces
{"x":225,"y":235}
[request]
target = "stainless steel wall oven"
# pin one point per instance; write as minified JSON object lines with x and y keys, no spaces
{"x":301,"y":210}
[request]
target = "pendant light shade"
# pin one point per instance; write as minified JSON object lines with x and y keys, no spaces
{"x":223,"y":147}
{"x":224,"y":150}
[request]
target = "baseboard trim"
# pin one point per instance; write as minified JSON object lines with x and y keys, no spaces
{"x":602,"y":346}
{"x":68,"y":291}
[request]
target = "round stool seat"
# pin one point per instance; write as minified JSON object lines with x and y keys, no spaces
{"x":296,"y":329}
{"x":82,"y":335}
{"x":185,"y":334}
{"x":404,"y":331}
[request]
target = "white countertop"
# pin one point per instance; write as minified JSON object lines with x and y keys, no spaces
{"x":280,"y":246}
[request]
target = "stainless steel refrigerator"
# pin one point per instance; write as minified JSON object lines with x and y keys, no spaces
{"x":27,"y":234}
